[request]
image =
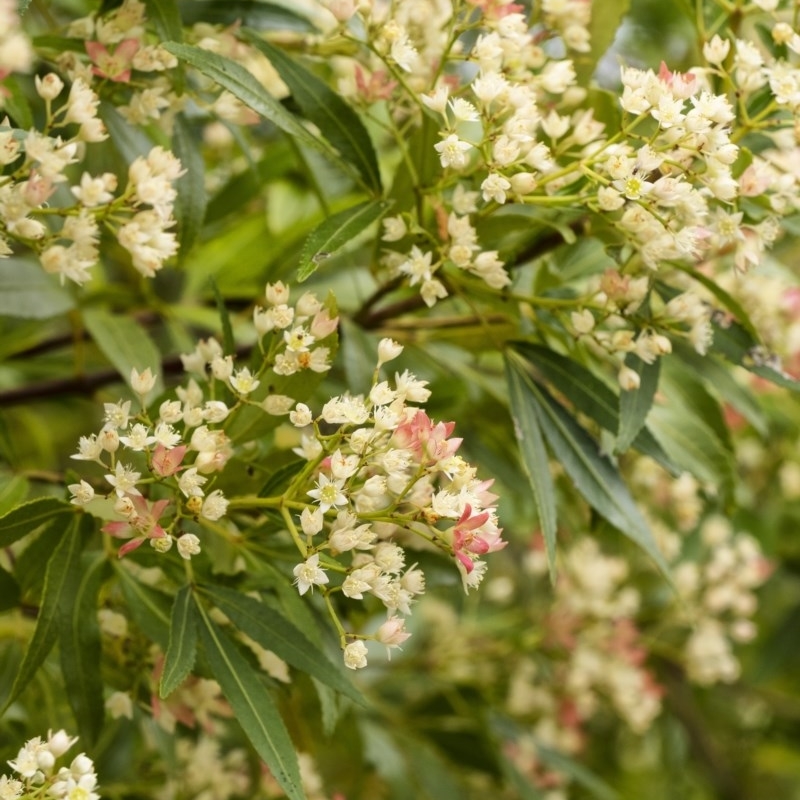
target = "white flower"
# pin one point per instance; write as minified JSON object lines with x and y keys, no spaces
{"x":453,"y":152}
{"x":82,"y":493}
{"x":494,"y":187}
{"x":124,"y":479}
{"x":329,"y":493}
{"x":355,"y":655}
{"x":394,"y":229}
{"x":190,"y":482}
{"x":188,"y":545}
{"x":309,"y":574}
{"x":119,"y":704}
{"x":243,"y":381}
{"x":300,"y":416}
{"x":214,"y":506}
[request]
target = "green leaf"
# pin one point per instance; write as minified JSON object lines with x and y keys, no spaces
{"x":336,"y":120}
{"x":253,"y":706}
{"x":277,"y":634}
{"x":16,"y":104}
{"x":167,"y":19}
{"x":729,"y":302}
{"x":129,"y":140}
{"x":269,"y":16}
{"x":605,"y":22}
{"x":239,"y":82}
{"x":228,"y":342}
{"x":736,"y":344}
{"x":13,"y":490}
{"x":594,"y":476}
{"x":148,"y":607}
{"x":9,"y":591}
{"x":30,"y":516}
{"x":182,"y":649}
{"x":534,"y":457}
{"x":79,"y":641}
{"x":27,"y":292}
{"x":693,"y":445}
{"x":125,"y":343}
{"x":634,"y":405}
{"x":62,"y":567}
{"x":190,"y":204}
{"x":723,"y":384}
{"x":588,"y":394}
{"x":336,"y":232}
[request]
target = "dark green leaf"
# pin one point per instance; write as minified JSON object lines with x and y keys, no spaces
{"x":167,"y":19}
{"x":634,"y":405}
{"x":280,"y":479}
{"x":228,"y":342}
{"x":534,"y":457}
{"x":190,"y":204}
{"x":277,"y":634}
{"x":253,"y":706}
{"x":729,"y":302}
{"x":337,"y":232}
{"x":336,"y":120}
{"x":149,"y":608}
{"x":237,"y":80}
{"x":589,"y":395}
{"x":29,"y":516}
{"x":9,"y":591}
{"x":720,"y":380}
{"x":737,"y":345}
{"x":594,"y":476}
{"x":260,"y":15}
{"x":129,"y":140}
{"x":79,"y":642}
{"x":182,"y":649}
{"x":27,"y":292}
{"x":125,"y":343}
{"x":16,"y":105}
{"x":59,"y":582}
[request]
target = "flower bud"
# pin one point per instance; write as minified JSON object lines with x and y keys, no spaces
{"x":628,"y":379}
{"x":49,"y":87}
{"x":194,"y":504}
{"x":388,"y":350}
{"x":142,"y":382}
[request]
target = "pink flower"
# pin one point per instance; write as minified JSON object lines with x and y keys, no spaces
{"x":167,"y":462}
{"x":427,"y":438}
{"x":115,"y":66}
{"x":142,"y":524}
{"x":475,"y":535}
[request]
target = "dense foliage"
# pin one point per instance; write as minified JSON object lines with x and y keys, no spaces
{"x":399,"y":399}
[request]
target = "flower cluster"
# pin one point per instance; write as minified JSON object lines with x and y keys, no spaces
{"x":717,"y":599}
{"x":384,"y":474}
{"x":35,"y":768}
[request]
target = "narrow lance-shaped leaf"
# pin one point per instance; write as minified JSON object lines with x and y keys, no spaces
{"x":274,"y":632}
{"x":62,"y":567}
{"x":589,"y":395}
{"x":336,"y":120}
{"x":180,"y":655}
{"x":534,"y":456}
{"x":635,"y":404}
{"x":190,"y":204}
{"x":149,"y":608}
{"x":252,"y":704}
{"x":239,"y":82}
{"x":29,"y":516}
{"x":336,"y":232}
{"x":594,"y":476}
{"x":79,"y":643}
